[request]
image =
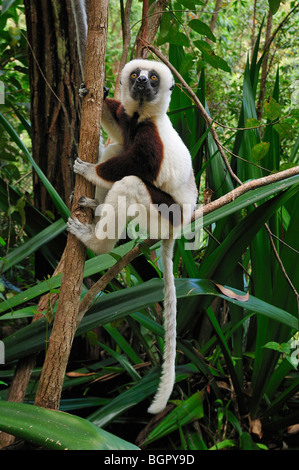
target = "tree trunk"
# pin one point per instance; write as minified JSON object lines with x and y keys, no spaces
{"x":54,"y":75}
{"x":54,"y":79}
{"x":65,"y":323}
{"x":151,"y":18}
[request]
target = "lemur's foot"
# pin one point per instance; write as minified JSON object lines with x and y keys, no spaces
{"x":88,"y":202}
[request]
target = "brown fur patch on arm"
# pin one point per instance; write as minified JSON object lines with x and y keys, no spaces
{"x":143,"y":155}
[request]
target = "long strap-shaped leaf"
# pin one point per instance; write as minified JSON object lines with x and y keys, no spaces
{"x":60,"y":205}
{"x":56,"y":430}
{"x":118,"y":304}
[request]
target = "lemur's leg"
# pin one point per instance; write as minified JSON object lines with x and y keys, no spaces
{"x":88,"y":202}
{"x":129,"y":199}
{"x":125,"y":198}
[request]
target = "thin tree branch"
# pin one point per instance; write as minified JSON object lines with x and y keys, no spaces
{"x":198,"y":103}
{"x":151,"y":18}
{"x":264,"y":69}
{"x":214,"y":17}
{"x":125,"y":20}
{"x":271,"y":39}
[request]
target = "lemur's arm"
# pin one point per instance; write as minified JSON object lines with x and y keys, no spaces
{"x":140,"y":160}
{"x":110,"y":119}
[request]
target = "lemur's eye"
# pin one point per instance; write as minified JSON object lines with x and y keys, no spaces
{"x":133,"y":75}
{"x":154,"y":77}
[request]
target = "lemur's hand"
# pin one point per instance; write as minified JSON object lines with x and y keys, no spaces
{"x":83,"y":91}
{"x":80,"y":167}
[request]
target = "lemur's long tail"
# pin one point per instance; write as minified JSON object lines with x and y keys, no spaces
{"x":168,"y":367}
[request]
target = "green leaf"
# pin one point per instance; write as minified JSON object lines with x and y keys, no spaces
{"x":272,"y":109}
{"x":186,"y":412}
{"x":295,"y":113}
{"x":252,"y":122}
{"x":33,"y":244}
{"x":260,"y":150}
{"x":190,"y":3}
{"x":210,"y":56}
{"x":176,"y":37}
{"x":285,"y":128}
{"x":25,"y":312}
{"x":284,"y":348}
{"x":202,"y":28}
{"x":274,"y":6}
{"x":59,"y":203}
{"x":6,"y":4}
{"x":143,"y":389}
{"x":118,"y":304}
{"x":246,"y":443}
{"x":227,"y":443}
{"x":216,"y":61}
{"x":56,"y":430}
{"x":91,"y":267}
{"x":203,"y":45}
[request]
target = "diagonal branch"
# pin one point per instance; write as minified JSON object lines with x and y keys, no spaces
{"x":204,"y":210}
{"x":199,"y":105}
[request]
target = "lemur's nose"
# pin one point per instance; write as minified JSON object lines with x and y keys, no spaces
{"x":141,"y":79}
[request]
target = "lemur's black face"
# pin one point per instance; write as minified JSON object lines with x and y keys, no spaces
{"x":144,"y":84}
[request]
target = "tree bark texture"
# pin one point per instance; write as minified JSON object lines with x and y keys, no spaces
{"x":214,"y":17}
{"x":54,"y":80}
{"x":151,"y":18}
{"x":64,"y":327}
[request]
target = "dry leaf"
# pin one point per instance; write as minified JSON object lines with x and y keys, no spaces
{"x":232,"y":295}
{"x":222,"y":384}
{"x":293,"y":429}
{"x":256,"y":427}
{"x":78,"y":374}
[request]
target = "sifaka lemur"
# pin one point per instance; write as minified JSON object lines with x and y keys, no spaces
{"x":147,"y":166}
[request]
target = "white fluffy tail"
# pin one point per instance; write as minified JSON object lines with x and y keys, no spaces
{"x":168,"y":367}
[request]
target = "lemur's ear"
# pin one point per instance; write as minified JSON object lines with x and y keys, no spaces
{"x":172,"y":86}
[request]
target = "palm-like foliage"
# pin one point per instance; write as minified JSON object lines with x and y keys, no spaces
{"x":229,"y":364}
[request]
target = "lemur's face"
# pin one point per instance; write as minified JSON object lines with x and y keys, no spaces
{"x":144,"y":84}
{"x":146,"y":87}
